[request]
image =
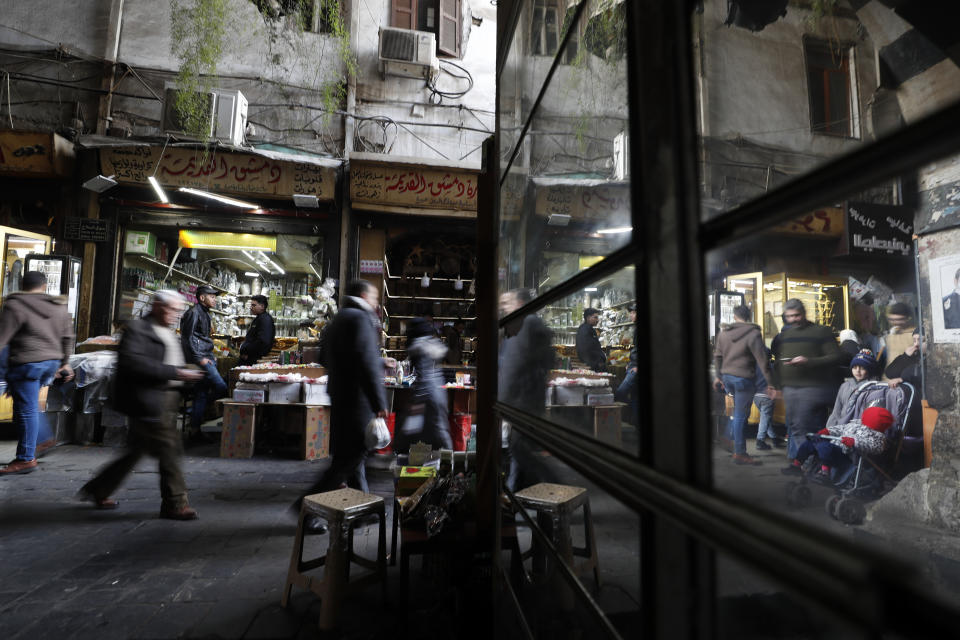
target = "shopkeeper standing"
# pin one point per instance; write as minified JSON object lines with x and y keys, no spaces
{"x":588,"y":343}
{"x":260,"y":335}
{"x":198,"y":349}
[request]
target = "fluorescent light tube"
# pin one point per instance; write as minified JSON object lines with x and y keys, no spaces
{"x":156,"y":187}
{"x":251,"y":274}
{"x":613,"y":230}
{"x":218,"y":198}
{"x":590,"y":289}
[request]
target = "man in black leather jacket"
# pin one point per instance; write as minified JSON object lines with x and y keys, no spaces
{"x":198,"y":350}
{"x":260,"y":335}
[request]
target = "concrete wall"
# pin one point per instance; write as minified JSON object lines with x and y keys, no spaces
{"x":466,"y":121}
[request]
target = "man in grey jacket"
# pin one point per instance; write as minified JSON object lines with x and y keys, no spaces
{"x":738,"y":353}
{"x":39,"y":330}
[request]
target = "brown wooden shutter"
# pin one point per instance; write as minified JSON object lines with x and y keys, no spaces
{"x":448,"y":31}
{"x":404,"y":14}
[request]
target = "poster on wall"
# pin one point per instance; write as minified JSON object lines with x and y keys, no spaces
{"x":945,"y":296}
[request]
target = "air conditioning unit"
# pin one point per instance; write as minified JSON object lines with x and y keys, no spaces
{"x":225,"y":111}
{"x":408,"y":53}
{"x":621,"y":156}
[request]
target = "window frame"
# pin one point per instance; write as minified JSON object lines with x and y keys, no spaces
{"x":812,"y":48}
{"x":405,"y":14}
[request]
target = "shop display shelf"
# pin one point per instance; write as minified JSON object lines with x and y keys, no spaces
{"x":621,"y":304}
{"x":434,"y":317}
{"x":153,"y":262}
{"x":620,"y":324}
{"x":566,"y":329}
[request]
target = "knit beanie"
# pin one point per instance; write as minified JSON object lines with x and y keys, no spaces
{"x":849,"y":334}
{"x":864,"y":359}
{"x":877,"y":418}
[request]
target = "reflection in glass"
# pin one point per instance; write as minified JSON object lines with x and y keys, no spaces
{"x":781,"y":92}
{"x":596,"y":536}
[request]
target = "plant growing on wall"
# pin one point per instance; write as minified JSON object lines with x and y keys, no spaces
{"x":197,"y":37}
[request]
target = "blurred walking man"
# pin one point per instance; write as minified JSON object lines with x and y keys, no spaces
{"x":39,"y":331}
{"x":150,"y":367}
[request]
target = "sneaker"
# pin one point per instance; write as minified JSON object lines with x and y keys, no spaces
{"x":792,"y":470}
{"x":742,"y":458}
{"x":779,"y":443}
{"x":19,"y":466}
{"x":763,"y":446}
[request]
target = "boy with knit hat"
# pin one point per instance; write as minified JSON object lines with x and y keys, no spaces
{"x":866,"y":436}
{"x":863,"y":368}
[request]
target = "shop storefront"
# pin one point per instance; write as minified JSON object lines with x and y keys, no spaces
{"x":413,"y":227}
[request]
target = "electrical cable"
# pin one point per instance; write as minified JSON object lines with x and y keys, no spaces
{"x":438,"y":95}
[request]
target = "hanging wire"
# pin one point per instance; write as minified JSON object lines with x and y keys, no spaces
{"x":437,"y":96}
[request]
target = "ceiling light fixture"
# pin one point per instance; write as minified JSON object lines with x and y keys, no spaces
{"x":251,"y":274}
{"x":306,"y":201}
{"x":613,"y":230}
{"x":558,"y":220}
{"x":314,"y":269}
{"x":100,"y":183}
{"x":219,"y":198}
{"x":590,"y":289}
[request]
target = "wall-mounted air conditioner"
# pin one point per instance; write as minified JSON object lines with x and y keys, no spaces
{"x":408,"y":53}
{"x":226,"y":115}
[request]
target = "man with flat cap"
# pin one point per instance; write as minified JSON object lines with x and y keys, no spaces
{"x":195,"y":337}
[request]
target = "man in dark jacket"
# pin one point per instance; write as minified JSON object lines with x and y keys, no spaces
{"x":260,"y":335}
{"x":356,"y":388}
{"x":588,"y":344}
{"x":198,"y":350}
{"x":739,"y":353}
{"x":627,"y":391}
{"x":806,"y":356}
{"x":149,"y":367}
{"x":39,"y":331}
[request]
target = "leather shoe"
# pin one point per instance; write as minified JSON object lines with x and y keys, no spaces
{"x":762,"y":446}
{"x":314,"y":525}
{"x":99,"y":503}
{"x":183,"y":513}
{"x":19,"y":466}
{"x":742,"y":458}
{"x":45,"y":447}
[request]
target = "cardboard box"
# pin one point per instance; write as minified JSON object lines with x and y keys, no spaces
{"x":316,"y":394}
{"x":285,"y":392}
{"x":571,"y":395}
{"x":316,"y":433}
{"x":594,"y":399}
{"x":412,"y":477}
{"x":248,"y":392}
{"x":239,"y":421}
{"x":141,"y":242}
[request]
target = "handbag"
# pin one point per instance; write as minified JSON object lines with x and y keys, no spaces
{"x":376,"y":435}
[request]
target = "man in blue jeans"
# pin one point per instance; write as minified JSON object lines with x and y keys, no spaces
{"x":39,"y":332}
{"x":198,"y":350}
{"x":738,"y":353}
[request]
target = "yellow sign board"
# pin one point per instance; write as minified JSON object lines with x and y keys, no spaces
{"x":225,"y":240}
{"x":35,"y":154}
{"x":240,"y":173}
{"x":417,"y":187}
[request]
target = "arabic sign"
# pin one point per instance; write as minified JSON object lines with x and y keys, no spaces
{"x":596,"y":202}
{"x":413,"y":187}
{"x":35,"y":154}
{"x":86,"y":229}
{"x":824,"y":223}
{"x":239,"y":173}
{"x":879,"y":229}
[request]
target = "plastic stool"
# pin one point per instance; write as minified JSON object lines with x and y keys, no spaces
{"x":341,"y":509}
{"x":555,"y":504}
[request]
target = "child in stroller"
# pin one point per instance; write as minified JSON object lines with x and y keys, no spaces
{"x":866,"y":436}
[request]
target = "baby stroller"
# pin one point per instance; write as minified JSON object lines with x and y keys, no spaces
{"x":868,"y":477}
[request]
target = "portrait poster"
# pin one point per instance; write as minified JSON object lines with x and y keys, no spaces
{"x":945,"y":298}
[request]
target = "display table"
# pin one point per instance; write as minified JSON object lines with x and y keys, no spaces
{"x":605,"y":420}
{"x":310,"y":422}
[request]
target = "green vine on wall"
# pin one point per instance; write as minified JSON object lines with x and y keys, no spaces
{"x":198,"y":30}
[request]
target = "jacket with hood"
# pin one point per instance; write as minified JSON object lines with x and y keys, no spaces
{"x":740,"y":351}
{"x":37,"y":327}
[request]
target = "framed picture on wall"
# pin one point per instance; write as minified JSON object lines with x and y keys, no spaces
{"x":945,"y":298}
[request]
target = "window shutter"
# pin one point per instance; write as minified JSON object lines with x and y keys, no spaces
{"x":403,"y":14}
{"x":448,"y":33}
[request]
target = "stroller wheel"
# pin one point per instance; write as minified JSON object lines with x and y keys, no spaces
{"x":802,"y":496}
{"x":830,"y":506}
{"x":851,"y":511}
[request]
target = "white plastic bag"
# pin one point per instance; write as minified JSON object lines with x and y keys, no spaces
{"x":376,"y":435}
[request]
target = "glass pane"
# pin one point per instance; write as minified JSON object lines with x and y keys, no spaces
{"x":858,"y":337}
{"x":575,"y":361}
{"x":783,"y":88}
{"x":598,"y":538}
{"x":751,"y":605}
{"x":565,"y":203}
{"x":17,"y":249}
